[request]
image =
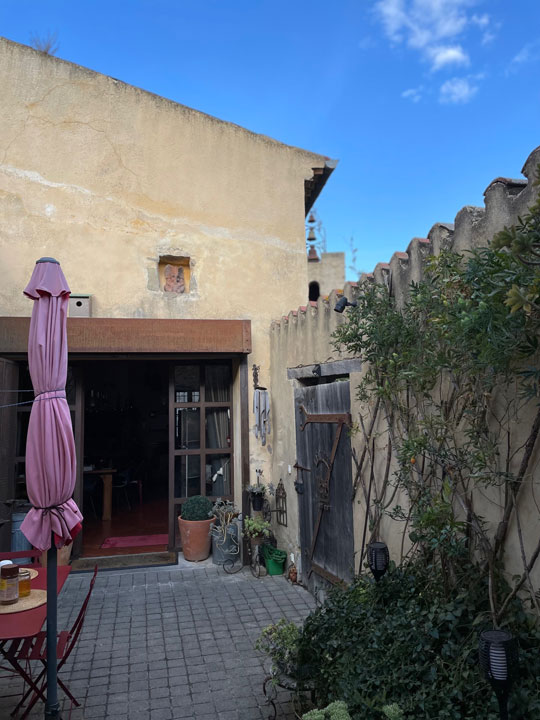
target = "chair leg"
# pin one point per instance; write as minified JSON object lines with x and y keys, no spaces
{"x":68,"y":693}
{"x":38,"y":692}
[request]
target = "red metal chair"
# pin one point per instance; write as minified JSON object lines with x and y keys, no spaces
{"x":35,"y":648}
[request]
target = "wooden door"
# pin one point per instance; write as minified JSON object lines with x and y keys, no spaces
{"x":200,"y":435}
{"x":325,"y":508}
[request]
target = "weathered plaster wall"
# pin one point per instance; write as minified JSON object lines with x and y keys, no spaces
{"x":107,"y":178}
{"x":304,"y":337}
{"x":329,"y":272}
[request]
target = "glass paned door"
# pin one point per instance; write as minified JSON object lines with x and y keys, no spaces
{"x":200,"y":435}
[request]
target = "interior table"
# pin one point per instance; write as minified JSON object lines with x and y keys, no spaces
{"x":106,"y":475}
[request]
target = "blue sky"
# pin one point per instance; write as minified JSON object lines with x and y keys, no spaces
{"x":423,"y":102}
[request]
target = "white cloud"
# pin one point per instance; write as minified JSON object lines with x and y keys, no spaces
{"x":528,"y":53}
{"x":457,"y":91}
{"x":481,"y":20}
{"x":489,"y":29}
{"x":444,"y":55}
{"x":413,"y":94}
{"x":432,"y":27}
{"x":422,"y":22}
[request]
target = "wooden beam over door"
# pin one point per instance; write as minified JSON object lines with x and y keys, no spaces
{"x":136,"y":335}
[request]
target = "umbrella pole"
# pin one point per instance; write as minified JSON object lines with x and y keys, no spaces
{"x":52,"y":706}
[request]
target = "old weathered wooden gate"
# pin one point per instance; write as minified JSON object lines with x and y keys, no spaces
{"x":324,"y":483}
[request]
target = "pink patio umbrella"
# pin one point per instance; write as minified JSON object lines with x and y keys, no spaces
{"x":54,"y":519}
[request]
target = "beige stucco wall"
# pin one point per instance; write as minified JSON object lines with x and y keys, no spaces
{"x":328,"y":271}
{"x":107,"y":178}
{"x":304,"y":338}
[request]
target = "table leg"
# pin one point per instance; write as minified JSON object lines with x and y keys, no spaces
{"x":107,"y":496}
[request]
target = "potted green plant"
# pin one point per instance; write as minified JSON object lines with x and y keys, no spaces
{"x":257,"y":493}
{"x":256,"y":529}
{"x":224,"y":532}
{"x":280,"y":642}
{"x":194,"y":523}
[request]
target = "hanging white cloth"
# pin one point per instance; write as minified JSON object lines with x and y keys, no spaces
{"x":261,"y":409}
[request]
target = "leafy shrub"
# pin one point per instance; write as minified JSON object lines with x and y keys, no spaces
{"x":197,"y":508}
{"x":280,"y":643}
{"x":402,"y":641}
{"x":335,"y":711}
{"x":392,"y":712}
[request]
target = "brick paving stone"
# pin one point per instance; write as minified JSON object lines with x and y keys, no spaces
{"x":171,"y":643}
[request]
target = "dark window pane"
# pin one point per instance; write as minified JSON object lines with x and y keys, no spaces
{"x":218,"y":383}
{"x":70,"y":386}
{"x":25,"y":383}
{"x":218,"y":475}
{"x":187,"y":383}
{"x":187,"y":475}
{"x":23,"y":419}
{"x":187,"y":428}
{"x":218,"y":430}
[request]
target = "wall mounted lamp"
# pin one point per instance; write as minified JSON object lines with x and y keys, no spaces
{"x":378,"y":559}
{"x":498,"y":653}
{"x":342,"y":303}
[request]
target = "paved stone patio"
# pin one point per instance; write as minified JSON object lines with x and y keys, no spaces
{"x":174,"y":642}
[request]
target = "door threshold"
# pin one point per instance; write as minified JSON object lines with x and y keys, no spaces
{"x":118,"y":562}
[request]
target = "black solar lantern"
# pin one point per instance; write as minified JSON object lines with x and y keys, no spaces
{"x":343,"y":303}
{"x":378,"y":559}
{"x":499,"y":661}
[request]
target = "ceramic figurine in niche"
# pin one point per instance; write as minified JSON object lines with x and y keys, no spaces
{"x":174,"y":279}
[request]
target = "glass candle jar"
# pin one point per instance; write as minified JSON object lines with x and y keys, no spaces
{"x":9,"y":584}
{"x":24,"y":583}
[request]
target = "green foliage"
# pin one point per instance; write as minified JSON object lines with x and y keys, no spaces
{"x":393,"y":712}
{"x":522,"y":241}
{"x":256,"y":527}
{"x":335,"y":711}
{"x":435,"y":365}
{"x":197,"y":508}
{"x":224,"y":511}
{"x":401,"y":648}
{"x":449,"y":371}
{"x":280,"y":643}
{"x":256,"y":489}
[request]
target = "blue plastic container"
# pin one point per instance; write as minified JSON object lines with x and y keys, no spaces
{"x":18,"y":540}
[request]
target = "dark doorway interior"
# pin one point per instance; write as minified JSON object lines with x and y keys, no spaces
{"x":126,"y":431}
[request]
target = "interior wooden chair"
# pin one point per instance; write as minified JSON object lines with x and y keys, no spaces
{"x":35,"y":648}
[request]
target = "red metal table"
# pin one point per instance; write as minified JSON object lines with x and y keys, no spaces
{"x":27,"y":623}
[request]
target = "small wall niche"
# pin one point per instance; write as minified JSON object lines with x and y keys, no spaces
{"x":174,"y":274}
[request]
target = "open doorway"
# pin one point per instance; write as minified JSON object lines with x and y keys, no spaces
{"x":126,"y":456}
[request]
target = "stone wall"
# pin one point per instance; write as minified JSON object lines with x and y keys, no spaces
{"x":303,"y":337}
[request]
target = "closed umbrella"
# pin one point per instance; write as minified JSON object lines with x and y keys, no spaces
{"x":54,"y":519}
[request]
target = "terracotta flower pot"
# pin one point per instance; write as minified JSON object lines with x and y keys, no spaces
{"x":257,"y":540}
{"x":195,"y":538}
